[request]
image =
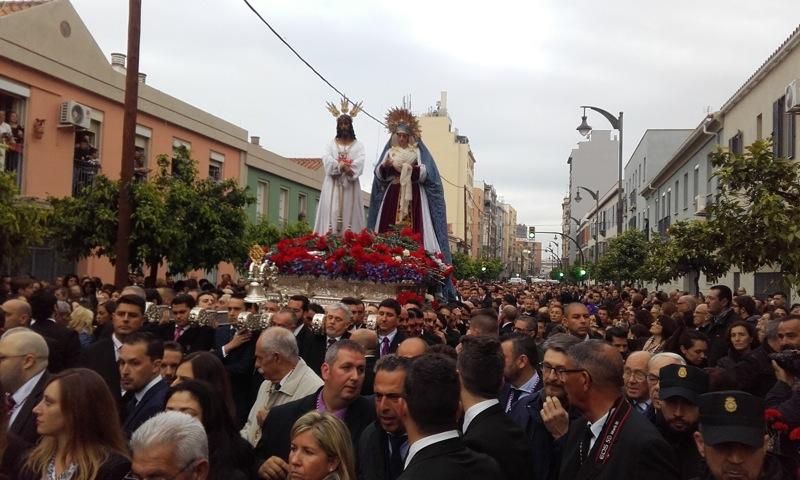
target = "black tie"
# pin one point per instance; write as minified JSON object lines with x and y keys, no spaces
{"x":331,"y":341}
{"x":396,"y":461}
{"x":129,"y":401}
{"x":586,"y":444}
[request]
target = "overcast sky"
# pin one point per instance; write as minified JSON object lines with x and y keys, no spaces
{"x":515,"y":71}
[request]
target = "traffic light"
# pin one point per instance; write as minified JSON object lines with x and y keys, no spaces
{"x":582,"y":272}
{"x":560,"y":274}
{"x":531,"y":233}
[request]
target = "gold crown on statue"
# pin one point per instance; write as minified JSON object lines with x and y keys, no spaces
{"x":401,"y":120}
{"x":344,"y":108}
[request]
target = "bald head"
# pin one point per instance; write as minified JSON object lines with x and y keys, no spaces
{"x":25,"y":353}
{"x":412,"y":347}
{"x":17,"y":313}
{"x":366,"y":338}
{"x":134,"y":290}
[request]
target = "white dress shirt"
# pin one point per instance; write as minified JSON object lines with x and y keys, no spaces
{"x":597,"y":427}
{"x":427,"y":442}
{"x":476,"y":410}
{"x":141,"y":393}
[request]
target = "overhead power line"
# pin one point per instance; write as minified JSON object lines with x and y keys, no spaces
{"x":311,"y":67}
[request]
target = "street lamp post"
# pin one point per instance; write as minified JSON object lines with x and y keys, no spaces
{"x":596,"y":196}
{"x":616,"y":123}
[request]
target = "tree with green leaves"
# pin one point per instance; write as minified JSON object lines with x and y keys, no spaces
{"x":22,"y":224}
{"x":694,"y":250}
{"x":757,"y":210}
{"x":189,"y":223}
{"x":659,"y":266}
{"x":624,"y":258}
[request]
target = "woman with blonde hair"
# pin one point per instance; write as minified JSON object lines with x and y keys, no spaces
{"x":79,"y":438}
{"x":321,"y":449}
{"x":81,"y":320}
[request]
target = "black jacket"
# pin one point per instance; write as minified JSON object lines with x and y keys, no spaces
{"x":151,"y":403}
{"x":25,"y":422}
{"x":754,"y":374}
{"x":316,"y":346}
{"x":396,"y":341}
{"x":690,"y":463}
{"x":369,"y":375}
{"x":276,"y":431}
{"x":241,"y":368}
{"x":64,"y":344}
{"x":193,"y":339}
{"x":493,"y":433}
{"x":546,"y":451}
{"x":451,"y":460}
{"x":101,"y":358}
{"x":373,"y":454}
{"x":717,"y":343}
{"x":114,"y":468}
{"x":640,"y":453}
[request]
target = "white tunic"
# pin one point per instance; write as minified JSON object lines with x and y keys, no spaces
{"x":341,"y":194}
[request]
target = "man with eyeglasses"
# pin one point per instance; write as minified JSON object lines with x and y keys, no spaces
{"x":637,"y":390}
{"x":546,"y":414}
{"x":654,"y":366}
{"x":609,"y":441}
{"x":154,"y":452}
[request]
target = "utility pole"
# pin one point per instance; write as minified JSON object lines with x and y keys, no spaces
{"x":125,"y":210}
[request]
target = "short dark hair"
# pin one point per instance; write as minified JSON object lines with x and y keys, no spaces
{"x":184,"y":299}
{"x":747,"y":303}
{"x":301,"y":298}
{"x":688,"y":337}
{"x":432,"y":393}
{"x":155,"y":346}
{"x":316,"y":308}
{"x":522,"y":344}
{"x":480,"y":364}
{"x":392,"y":363}
{"x":173,"y":346}
{"x":131,"y":299}
{"x":351,"y":301}
{"x":152,"y":295}
{"x":617,"y":332}
{"x":393,"y":304}
{"x":485,"y":324}
{"x":443,"y":349}
{"x":414,"y":312}
{"x":42,"y":303}
{"x":724,"y":292}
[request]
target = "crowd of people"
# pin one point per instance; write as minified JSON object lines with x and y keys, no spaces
{"x":510,"y":382}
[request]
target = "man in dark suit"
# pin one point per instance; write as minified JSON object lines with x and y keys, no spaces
{"x":384,"y":445}
{"x":236,"y":349}
{"x":140,"y":375}
{"x":300,"y":305}
{"x":610,"y":441}
{"x":23,"y":374}
{"x":193,"y":338}
{"x":357,"y":310}
{"x":369,"y":340}
{"x":63,"y":342}
{"x":102,"y":356}
{"x":637,"y":390}
{"x":720,"y":305}
{"x":337,"y":326}
{"x":578,"y":322}
{"x":522,"y":379}
{"x":343,"y":374}
{"x":389,"y":337}
{"x":508,"y":315}
{"x":486,"y":427}
{"x":429,"y":410}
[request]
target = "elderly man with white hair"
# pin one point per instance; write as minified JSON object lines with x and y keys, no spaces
{"x":170,"y":445}
{"x":23,"y":374}
{"x":286,"y":378}
{"x":338,"y":319}
{"x":654,"y":366}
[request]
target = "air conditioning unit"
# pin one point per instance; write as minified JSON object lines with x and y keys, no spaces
{"x":74,"y":114}
{"x":792,"y":100}
{"x":700,"y":205}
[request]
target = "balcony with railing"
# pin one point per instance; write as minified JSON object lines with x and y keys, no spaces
{"x":83,"y":173}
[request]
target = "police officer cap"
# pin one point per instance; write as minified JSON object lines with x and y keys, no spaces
{"x":682,"y":381}
{"x":732,"y":416}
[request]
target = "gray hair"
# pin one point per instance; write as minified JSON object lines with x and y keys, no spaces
{"x":673,"y":356}
{"x":333,"y":350}
{"x":560,"y":342}
{"x":281,"y":341}
{"x":591,"y":355}
{"x":392,"y":363}
{"x":340,"y":306}
{"x":772,"y":328}
{"x":183,"y":433}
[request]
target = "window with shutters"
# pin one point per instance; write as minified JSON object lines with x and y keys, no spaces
{"x":783,"y":130}
{"x":685,"y":191}
{"x":735,"y":144}
{"x":262,"y":196}
{"x":283,"y":207}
